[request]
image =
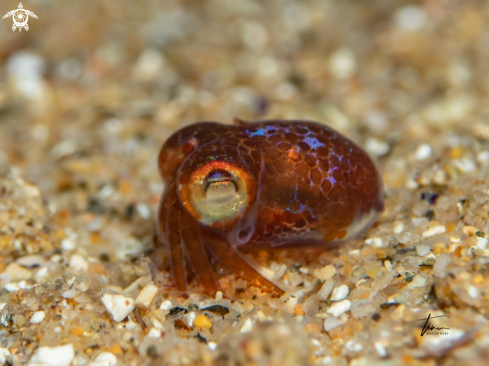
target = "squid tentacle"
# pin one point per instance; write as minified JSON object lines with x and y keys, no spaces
{"x":197,"y":255}
{"x":248,"y":269}
{"x":170,"y":235}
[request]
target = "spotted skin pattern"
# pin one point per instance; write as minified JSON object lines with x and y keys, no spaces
{"x":307,"y":186}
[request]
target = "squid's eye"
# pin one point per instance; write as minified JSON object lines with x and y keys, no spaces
{"x":217,"y":193}
{"x":220,"y":187}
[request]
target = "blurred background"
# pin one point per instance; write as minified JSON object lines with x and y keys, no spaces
{"x":92,"y":90}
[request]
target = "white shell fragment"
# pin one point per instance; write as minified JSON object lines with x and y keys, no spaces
{"x":165,"y":305}
{"x":376,"y":147}
{"x":326,"y":273}
{"x":37,"y":317}
{"x":418,"y":281}
{"x":119,"y":306}
{"x":436,"y":230}
{"x":248,"y":324}
{"x":146,"y":296}
{"x":154,"y":333}
{"x":482,"y":243}
{"x":330,"y":323}
{"x":380,"y":349}
{"x":339,"y":293}
{"x":78,"y":263}
{"x":105,"y":359}
{"x":54,"y":356}
{"x":68,"y":244}
{"x":17,"y":272}
{"x":325,"y":290}
{"x":339,"y":308}
{"x":4,"y":354}
{"x":422,"y":250}
{"x":422,"y":152}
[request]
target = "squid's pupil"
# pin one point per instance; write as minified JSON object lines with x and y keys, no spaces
{"x":219,"y":175}
{"x":220,"y":187}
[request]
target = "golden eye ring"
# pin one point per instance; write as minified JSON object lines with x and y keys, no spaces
{"x":217,"y":194}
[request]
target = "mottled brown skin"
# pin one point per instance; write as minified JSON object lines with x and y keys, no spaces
{"x":306,"y":184}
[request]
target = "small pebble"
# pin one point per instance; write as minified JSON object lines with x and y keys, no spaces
{"x":339,"y":308}
{"x":261,"y":316}
{"x":398,"y":227}
{"x":190,"y":317}
{"x":326,"y":273}
{"x":298,"y":310}
{"x":430,"y":259}
{"x":31,"y":261}
{"x":380,"y":349}
{"x":166,"y":305}
{"x":78,"y":263}
{"x":154,"y":333}
{"x":82,"y":285}
{"x":280,"y":272}
{"x":411,"y":184}
{"x":69,"y":294}
{"x":42,"y":273}
{"x":436,"y":230}
{"x":217,"y":309}
{"x":376,"y":147}
{"x":439,"y":269}
{"x":473,"y":292}
{"x":68,"y":244}
{"x":360,"y":281}
{"x":54,"y":356}
{"x":440,"y":343}
{"x":439,"y":177}
{"x":353,"y":346}
{"x":482,"y":243}
{"x":146,"y":296}
{"x":330,"y":323}
{"x":423,"y":152}
{"x":439,"y":248}
{"x":130,"y":324}
{"x":290,"y":304}
{"x":4,"y":354}
{"x":418,"y":281}
{"x":106,"y":359}
{"x":325,"y":290}
{"x":12,"y":287}
{"x":422,"y":250}
{"x":118,"y":306}
{"x":143,"y":211}
{"x":483,"y":157}
{"x":465,"y":165}
{"x":469,"y":230}
{"x":248,"y":324}
{"x":17,"y":272}
{"x":202,"y":321}
{"x":375,"y":242}
{"x":37,"y":317}
{"x":339,"y":293}
{"x":411,"y":18}
{"x":148,"y":65}
{"x":342,"y":63}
